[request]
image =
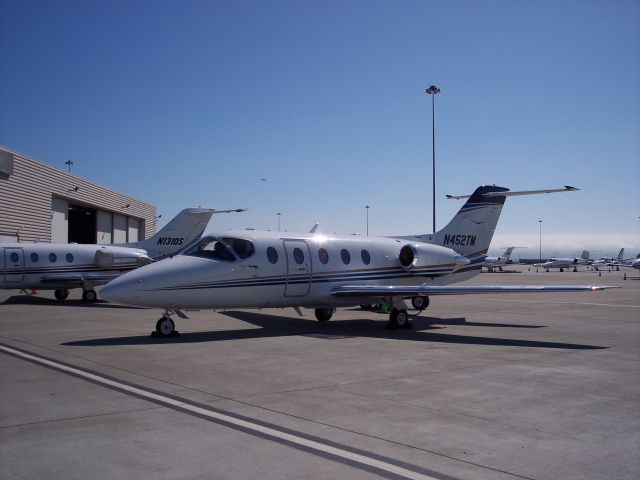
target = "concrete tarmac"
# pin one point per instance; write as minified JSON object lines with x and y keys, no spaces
{"x":534,"y":386}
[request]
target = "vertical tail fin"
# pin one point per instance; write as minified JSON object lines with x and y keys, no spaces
{"x":471,"y":229}
{"x":507,"y":253}
{"x":621,"y":255}
{"x":184,"y":228}
{"x":585,"y":255}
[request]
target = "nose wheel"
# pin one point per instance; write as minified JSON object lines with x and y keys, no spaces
{"x":165,"y":327}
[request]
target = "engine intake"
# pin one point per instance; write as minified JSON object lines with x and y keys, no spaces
{"x":407,"y":257}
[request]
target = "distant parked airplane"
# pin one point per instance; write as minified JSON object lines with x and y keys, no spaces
{"x":491,"y":263}
{"x":616,"y":262}
{"x":562,"y":263}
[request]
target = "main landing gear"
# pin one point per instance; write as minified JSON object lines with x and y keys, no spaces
{"x":61,"y":294}
{"x":399,"y":318}
{"x":89,"y":296}
{"x":324,"y":314}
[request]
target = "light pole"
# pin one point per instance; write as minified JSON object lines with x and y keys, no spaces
{"x":540,"y":247}
{"x":433,"y":90}
{"x":68,"y":163}
{"x":367,"y":208}
{"x":279,"y":214}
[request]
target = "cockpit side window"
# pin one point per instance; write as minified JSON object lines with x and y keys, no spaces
{"x":243,"y":248}
{"x":211,"y":247}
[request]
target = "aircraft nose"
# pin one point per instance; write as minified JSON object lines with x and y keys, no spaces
{"x":460,"y":262}
{"x":120,"y":290}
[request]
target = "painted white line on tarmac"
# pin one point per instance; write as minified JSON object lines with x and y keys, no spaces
{"x":244,"y":424}
{"x":561,"y":303}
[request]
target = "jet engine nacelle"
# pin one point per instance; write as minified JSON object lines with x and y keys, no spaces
{"x":412,"y":256}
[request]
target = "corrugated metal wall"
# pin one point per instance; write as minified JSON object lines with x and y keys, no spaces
{"x":27,"y":198}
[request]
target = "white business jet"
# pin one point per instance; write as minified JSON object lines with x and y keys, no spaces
{"x":251,"y":269}
{"x":491,"y":263}
{"x":562,"y":263}
{"x":63,"y":266}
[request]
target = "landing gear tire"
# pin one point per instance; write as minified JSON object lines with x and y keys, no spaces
{"x":324,"y":314}
{"x":89,"y":296}
{"x":61,"y":294}
{"x":399,"y":319}
{"x":420,"y":303}
{"x":561,"y":269}
{"x":575,"y":269}
{"x":165,"y":327}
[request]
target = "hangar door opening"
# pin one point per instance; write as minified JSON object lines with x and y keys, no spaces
{"x":82,"y":224}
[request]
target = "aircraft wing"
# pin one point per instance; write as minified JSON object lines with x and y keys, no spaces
{"x":76,"y":278}
{"x":408,"y":290}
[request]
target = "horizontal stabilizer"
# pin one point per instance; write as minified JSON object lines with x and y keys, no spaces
{"x":408,"y":290}
{"x":235,"y":210}
{"x":567,"y":188}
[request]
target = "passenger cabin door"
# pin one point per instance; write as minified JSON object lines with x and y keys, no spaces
{"x":298,"y":268}
{"x":14,"y":265}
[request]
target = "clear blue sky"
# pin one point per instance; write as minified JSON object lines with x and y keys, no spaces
{"x":192,"y":103}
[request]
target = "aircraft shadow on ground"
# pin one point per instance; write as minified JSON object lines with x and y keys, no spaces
{"x":279,"y":326}
{"x":40,"y":301}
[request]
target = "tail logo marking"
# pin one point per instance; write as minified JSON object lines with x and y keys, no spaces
{"x":170,"y":241}
{"x":460,"y":240}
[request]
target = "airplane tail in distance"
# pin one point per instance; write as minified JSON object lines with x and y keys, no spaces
{"x":507,"y":253}
{"x":470,"y":231}
{"x":585,"y":255}
{"x":184,"y":228}
{"x":621,"y":255}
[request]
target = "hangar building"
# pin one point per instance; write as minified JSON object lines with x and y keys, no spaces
{"x":41,"y":203}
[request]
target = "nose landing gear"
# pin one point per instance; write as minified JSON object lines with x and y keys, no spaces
{"x":165,"y":326}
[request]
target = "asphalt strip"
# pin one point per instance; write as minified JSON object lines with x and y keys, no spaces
{"x":359,"y":459}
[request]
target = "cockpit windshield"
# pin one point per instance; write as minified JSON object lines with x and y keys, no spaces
{"x":243,"y":248}
{"x":221,"y":248}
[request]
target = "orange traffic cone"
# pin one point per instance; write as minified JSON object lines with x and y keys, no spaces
{"x":599,"y":274}
{"x":625,"y":276}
